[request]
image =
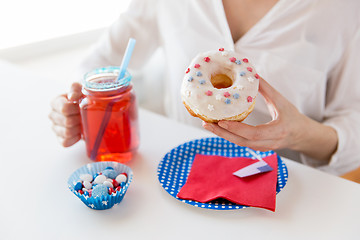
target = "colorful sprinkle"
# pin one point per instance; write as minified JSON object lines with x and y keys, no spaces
{"x":218,"y":97}
{"x":249,"y":99}
{"x":190,"y":79}
{"x":226,"y":94}
{"x":208,"y":93}
{"x":211,"y":107}
{"x":238,"y":62}
{"x":206,"y":59}
{"x":232,"y":59}
{"x":202,"y":81}
{"x":245,"y":60}
{"x":199,"y":74}
{"x":227,"y":101}
{"x":221,"y":49}
{"x":236,"y":95}
{"x":257,"y":76}
{"x":249,"y":69}
{"x":196,"y":65}
{"x":187,"y":70}
{"x":242,"y":74}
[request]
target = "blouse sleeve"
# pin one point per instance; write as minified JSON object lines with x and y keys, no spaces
{"x":342,"y":111}
{"x":138,"y":22}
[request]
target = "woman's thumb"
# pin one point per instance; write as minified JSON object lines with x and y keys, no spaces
{"x":75,"y":92}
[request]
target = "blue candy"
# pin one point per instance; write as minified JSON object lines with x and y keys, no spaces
{"x":95,"y":175}
{"x":78,"y":186}
{"x":100,"y":190}
{"x":110,"y":173}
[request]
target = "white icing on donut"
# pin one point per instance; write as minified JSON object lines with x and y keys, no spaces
{"x":198,"y":92}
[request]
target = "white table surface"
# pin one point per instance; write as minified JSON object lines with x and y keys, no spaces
{"x":35,"y":202}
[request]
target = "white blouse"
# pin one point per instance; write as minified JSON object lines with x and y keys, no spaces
{"x":307,"y":49}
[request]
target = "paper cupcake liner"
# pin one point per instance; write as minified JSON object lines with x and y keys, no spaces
{"x":103,"y":202}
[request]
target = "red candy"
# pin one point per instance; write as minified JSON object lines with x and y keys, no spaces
{"x":249,"y":99}
{"x":208,"y":93}
{"x":256,"y":76}
{"x":196,"y":65}
{"x":206,"y":59}
{"x":226,"y":94}
{"x":221,"y":49}
{"x":115,"y":183}
{"x":187,"y":70}
{"x":81,"y":192}
{"x":245,"y":60}
{"x":111,"y":191}
{"x":249,"y":69}
{"x":118,"y":188}
{"x":232,"y":59}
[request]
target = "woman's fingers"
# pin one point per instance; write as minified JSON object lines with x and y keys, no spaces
{"x":63,"y":106}
{"x":67,"y":104}
{"x":65,"y":116}
{"x":67,"y":136}
{"x":276,"y":102}
{"x":67,"y":132}
{"x":75,"y":92}
{"x":255,"y":133}
{"x":260,"y":145}
{"x":270,"y":94}
{"x":67,"y":142}
{"x":65,"y":121}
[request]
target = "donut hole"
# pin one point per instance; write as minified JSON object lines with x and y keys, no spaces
{"x":221,"y":81}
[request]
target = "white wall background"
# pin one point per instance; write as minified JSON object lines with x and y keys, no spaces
{"x":24,"y":21}
{"x":50,"y":38}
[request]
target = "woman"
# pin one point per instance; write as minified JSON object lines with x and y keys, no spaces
{"x":305,"y":49}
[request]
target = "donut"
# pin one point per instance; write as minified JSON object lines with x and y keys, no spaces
{"x":220,"y":85}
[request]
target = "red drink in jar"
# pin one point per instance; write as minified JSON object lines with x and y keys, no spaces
{"x":109,"y":116}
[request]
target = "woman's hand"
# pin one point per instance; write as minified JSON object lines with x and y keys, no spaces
{"x":65,"y":116}
{"x":288,"y":129}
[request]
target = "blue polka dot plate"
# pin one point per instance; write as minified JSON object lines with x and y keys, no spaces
{"x":175,"y":167}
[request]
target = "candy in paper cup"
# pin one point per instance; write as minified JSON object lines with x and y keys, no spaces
{"x":100,"y":202}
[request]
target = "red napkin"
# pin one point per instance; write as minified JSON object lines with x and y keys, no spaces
{"x":211,"y":177}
